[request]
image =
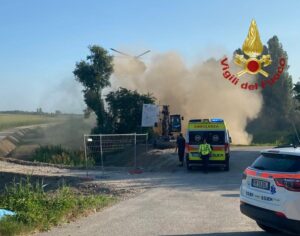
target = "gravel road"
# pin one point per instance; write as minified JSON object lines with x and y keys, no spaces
{"x":175,"y":203}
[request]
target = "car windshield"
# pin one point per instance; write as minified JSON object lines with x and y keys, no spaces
{"x":277,"y":162}
{"x":212,"y":137}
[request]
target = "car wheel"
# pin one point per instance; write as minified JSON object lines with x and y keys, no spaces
{"x":227,"y":167}
{"x":188,"y":166}
{"x":267,"y":228}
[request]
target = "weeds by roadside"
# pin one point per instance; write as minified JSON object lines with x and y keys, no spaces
{"x":56,"y":154}
{"x":37,"y":210}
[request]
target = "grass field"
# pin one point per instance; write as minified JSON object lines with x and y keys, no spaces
{"x":15,"y":120}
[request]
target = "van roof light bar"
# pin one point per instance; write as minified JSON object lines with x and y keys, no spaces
{"x":216,"y":120}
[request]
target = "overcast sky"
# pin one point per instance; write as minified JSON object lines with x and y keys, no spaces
{"x":41,"y":41}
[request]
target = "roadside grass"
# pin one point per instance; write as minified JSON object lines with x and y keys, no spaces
{"x":59,"y":155}
{"x":37,"y":210}
{"x":15,"y":120}
{"x":56,"y":154}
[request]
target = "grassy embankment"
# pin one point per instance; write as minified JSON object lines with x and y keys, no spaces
{"x":15,"y":120}
{"x":56,"y":154}
{"x":37,"y":210}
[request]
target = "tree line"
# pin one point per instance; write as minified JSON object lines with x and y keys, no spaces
{"x":278,"y":121}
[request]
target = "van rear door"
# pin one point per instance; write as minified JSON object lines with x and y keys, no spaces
{"x":215,"y":138}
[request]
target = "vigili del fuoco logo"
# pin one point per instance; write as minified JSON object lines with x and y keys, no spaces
{"x":252,"y":62}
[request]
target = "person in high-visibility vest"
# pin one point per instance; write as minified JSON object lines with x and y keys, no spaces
{"x":205,"y":152}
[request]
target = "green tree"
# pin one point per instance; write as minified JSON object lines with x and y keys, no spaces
{"x":296,"y":91}
{"x":277,"y":100}
{"x":94,"y":74}
{"x":125,"y":109}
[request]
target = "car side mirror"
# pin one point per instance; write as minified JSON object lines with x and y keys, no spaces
{"x":230,"y":140}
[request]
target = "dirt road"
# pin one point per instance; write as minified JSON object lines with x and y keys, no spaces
{"x":175,"y":203}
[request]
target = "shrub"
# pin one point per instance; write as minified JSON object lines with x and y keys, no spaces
{"x":36,"y":209}
{"x":58,"y":155}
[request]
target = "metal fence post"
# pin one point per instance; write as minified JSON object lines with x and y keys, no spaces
{"x":86,"y":164}
{"x":113,"y":142}
{"x":101,"y":151}
{"x":147,"y":143}
{"x":135,"y":164}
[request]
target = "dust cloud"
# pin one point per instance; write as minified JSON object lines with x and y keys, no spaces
{"x":65,"y":96}
{"x":198,"y":91}
{"x":68,"y":133}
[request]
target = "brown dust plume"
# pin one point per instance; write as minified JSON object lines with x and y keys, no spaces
{"x":199,"y":91}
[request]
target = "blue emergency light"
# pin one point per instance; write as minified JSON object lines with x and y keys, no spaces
{"x":217,"y":120}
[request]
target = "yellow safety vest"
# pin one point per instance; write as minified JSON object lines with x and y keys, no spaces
{"x":204,"y":149}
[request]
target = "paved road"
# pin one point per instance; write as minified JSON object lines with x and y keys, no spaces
{"x":177,"y":203}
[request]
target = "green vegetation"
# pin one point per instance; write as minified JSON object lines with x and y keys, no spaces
{"x":279,"y":117}
{"x":125,"y":110}
{"x":94,"y":74}
{"x":56,"y":154}
{"x":37,"y":210}
{"x":15,"y":120}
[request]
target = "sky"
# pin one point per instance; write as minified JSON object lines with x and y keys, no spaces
{"x":41,"y":41}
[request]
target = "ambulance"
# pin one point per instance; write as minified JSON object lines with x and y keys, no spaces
{"x":216,"y":134}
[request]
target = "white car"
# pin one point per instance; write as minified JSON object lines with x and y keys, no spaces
{"x":270,"y":190}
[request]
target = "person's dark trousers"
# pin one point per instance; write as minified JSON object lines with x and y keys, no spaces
{"x":181,"y":155}
{"x":205,"y":159}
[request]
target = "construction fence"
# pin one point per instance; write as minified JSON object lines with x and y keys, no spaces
{"x":117,"y":150}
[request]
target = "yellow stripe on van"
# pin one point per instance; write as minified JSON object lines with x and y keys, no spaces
{"x":206,"y":126}
{"x":215,"y":156}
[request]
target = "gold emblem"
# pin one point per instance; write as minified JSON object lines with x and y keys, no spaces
{"x":253,"y":48}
